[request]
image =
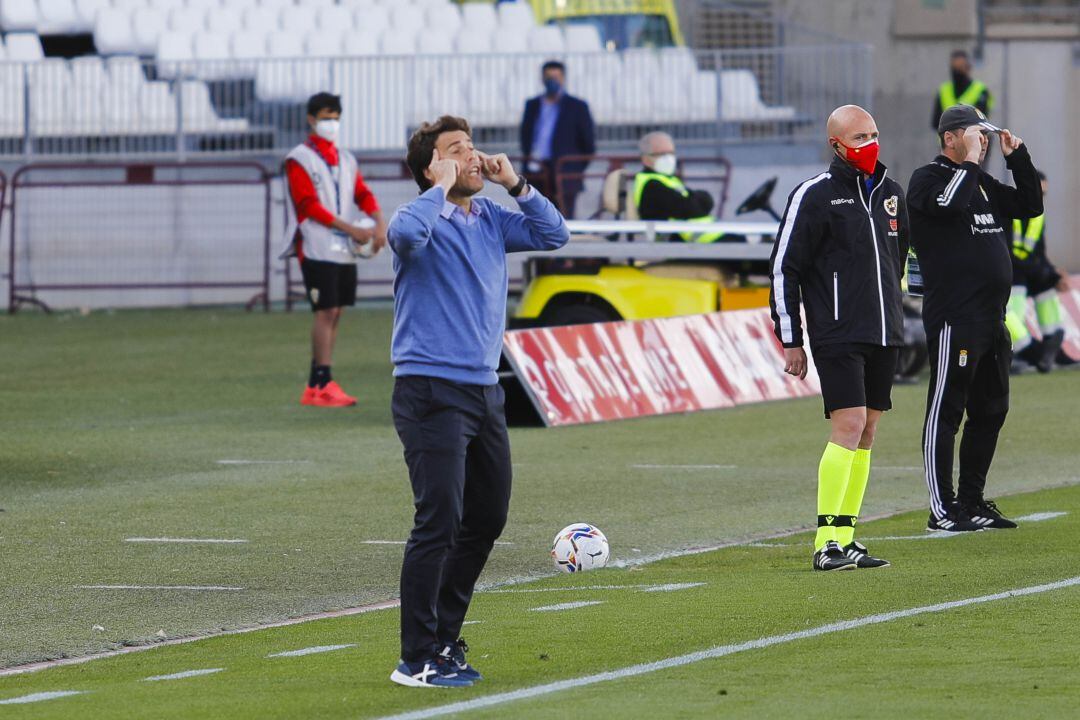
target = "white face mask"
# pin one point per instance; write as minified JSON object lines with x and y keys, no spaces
{"x":665,"y":164}
{"x":328,"y":129}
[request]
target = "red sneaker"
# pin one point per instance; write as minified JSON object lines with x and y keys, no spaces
{"x":329,"y":396}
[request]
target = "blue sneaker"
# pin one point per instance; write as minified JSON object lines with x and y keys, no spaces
{"x":435,"y":672}
{"x":454,"y":653}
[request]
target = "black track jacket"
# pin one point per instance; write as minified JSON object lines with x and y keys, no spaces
{"x":840,"y":251}
{"x":960,"y":218}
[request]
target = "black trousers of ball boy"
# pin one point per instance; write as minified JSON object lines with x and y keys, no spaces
{"x":458,"y":454}
{"x":969,"y":372}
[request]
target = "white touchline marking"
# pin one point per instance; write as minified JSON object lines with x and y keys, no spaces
{"x":575,"y":588}
{"x":38,"y":697}
{"x":721,"y":651}
{"x":567,"y":606}
{"x":159,"y":587}
{"x":472,"y":622}
{"x":1039,"y":516}
{"x":684,"y":467}
{"x":182,"y":675}
{"x":263,"y":462}
{"x":759,"y":544}
{"x":311,"y":650}
{"x":402,"y":542}
{"x":183,"y":540}
{"x":393,"y":604}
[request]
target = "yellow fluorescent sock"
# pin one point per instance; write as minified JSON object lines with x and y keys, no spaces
{"x":853,"y":495}
{"x":833,"y":473}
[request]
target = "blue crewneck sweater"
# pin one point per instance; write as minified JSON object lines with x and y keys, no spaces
{"x":450,"y":280}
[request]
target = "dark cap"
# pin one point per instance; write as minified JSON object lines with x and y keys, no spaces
{"x":964,"y":116}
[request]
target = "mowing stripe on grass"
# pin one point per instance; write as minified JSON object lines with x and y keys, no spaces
{"x":184,"y":540}
{"x":402,"y":542}
{"x":567,"y":606}
{"x":263,"y":462}
{"x":184,"y":674}
{"x":311,"y":650}
{"x":721,"y":651}
{"x":38,"y":697}
{"x":685,"y":467}
{"x":197,"y":588}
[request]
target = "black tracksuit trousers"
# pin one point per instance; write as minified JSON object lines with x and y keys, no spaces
{"x":458,"y":454}
{"x":969,"y":373}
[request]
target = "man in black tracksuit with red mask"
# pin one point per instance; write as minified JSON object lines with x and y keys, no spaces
{"x":959,"y":220}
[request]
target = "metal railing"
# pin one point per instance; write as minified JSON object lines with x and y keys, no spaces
{"x":139,"y":234}
{"x":121,"y":106}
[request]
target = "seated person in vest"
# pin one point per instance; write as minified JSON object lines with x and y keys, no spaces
{"x":660,"y":195}
{"x":325,"y":230}
{"x":1034,"y":276}
{"x":961,"y":89}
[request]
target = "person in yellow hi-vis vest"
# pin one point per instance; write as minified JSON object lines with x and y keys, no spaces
{"x":659,"y":194}
{"x":961,"y":89}
{"x":1036,"y":277}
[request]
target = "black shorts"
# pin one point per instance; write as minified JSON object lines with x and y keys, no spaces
{"x":856,"y":375}
{"x":329,"y":285}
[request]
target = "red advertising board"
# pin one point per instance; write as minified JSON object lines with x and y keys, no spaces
{"x":610,"y":371}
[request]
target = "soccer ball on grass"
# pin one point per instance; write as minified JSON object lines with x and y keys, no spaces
{"x":580,"y":547}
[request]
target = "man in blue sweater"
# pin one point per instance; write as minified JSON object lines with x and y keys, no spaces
{"x":449,"y":254}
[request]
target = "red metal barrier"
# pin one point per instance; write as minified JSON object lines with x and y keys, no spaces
{"x":155,"y":227}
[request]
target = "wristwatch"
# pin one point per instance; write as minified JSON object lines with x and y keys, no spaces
{"x":519,"y":187}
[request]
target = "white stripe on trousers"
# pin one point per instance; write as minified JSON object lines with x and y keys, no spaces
{"x":930,"y":439}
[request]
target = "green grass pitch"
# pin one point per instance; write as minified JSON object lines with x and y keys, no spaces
{"x":115,"y":426}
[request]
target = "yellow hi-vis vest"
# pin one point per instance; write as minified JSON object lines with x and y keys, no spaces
{"x":1024,"y":242}
{"x":644,"y":177}
{"x":947,"y":95}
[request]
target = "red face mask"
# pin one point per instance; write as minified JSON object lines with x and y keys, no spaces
{"x":863,"y":157}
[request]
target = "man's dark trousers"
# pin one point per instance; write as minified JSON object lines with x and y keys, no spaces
{"x":458,"y":453}
{"x":969,"y":372}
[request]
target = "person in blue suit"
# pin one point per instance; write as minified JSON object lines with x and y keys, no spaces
{"x":554,"y":125}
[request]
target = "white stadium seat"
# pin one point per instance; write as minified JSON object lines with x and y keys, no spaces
{"x":157,"y":108}
{"x":677,"y":61}
{"x":88,"y":83}
{"x":469,"y":42}
{"x":58,"y":17}
{"x":202,"y":4}
{"x":352,"y":4}
{"x":582,"y":38}
{"x":479,"y":17}
{"x":277,"y":81}
{"x":510,"y":41}
{"x":741,"y":100}
{"x":113,"y":32}
{"x":283,"y":44}
{"x":546,"y":39}
{"x":125,"y":71}
{"x":374,"y":19}
{"x":12,"y":101}
{"x":166,"y":5}
{"x":397,"y":43}
{"x":225,"y":20}
{"x":24,"y":46}
{"x":704,"y":96}
{"x":275,"y":4}
{"x":324,"y":43}
{"x":187,"y":20}
{"x":174,"y":54}
{"x":247,"y":45}
{"x":199,"y":114}
{"x":129,"y":6}
{"x":88,"y":10}
{"x":315,"y":4}
{"x":358,"y":43}
{"x":446,"y":18}
{"x":19,"y":15}
{"x":296,"y":19}
{"x":407,"y":17}
{"x":516,"y":15}
{"x":147,"y":27}
{"x":260,"y":20}
{"x":333,"y":18}
{"x":50,"y":89}
{"x":212,"y":51}
{"x":431,"y":41}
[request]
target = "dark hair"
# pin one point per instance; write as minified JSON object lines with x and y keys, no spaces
{"x":553,"y":65}
{"x":422,"y":145}
{"x":956,"y":54}
{"x":323,"y":101}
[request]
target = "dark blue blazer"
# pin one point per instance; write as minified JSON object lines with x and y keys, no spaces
{"x":573,"y":133}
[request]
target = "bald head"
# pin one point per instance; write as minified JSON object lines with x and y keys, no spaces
{"x":851,"y":125}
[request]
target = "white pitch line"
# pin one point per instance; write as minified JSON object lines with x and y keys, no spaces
{"x":566,"y":606}
{"x":311,"y":650}
{"x":721,"y":651}
{"x":225,"y":588}
{"x":184,"y":540}
{"x":769,"y":545}
{"x":263,"y":462}
{"x":38,"y":697}
{"x":1039,"y":516}
{"x":684,"y":467}
{"x":402,"y":542}
{"x":472,"y":622}
{"x":576,"y":588}
{"x":182,"y":675}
